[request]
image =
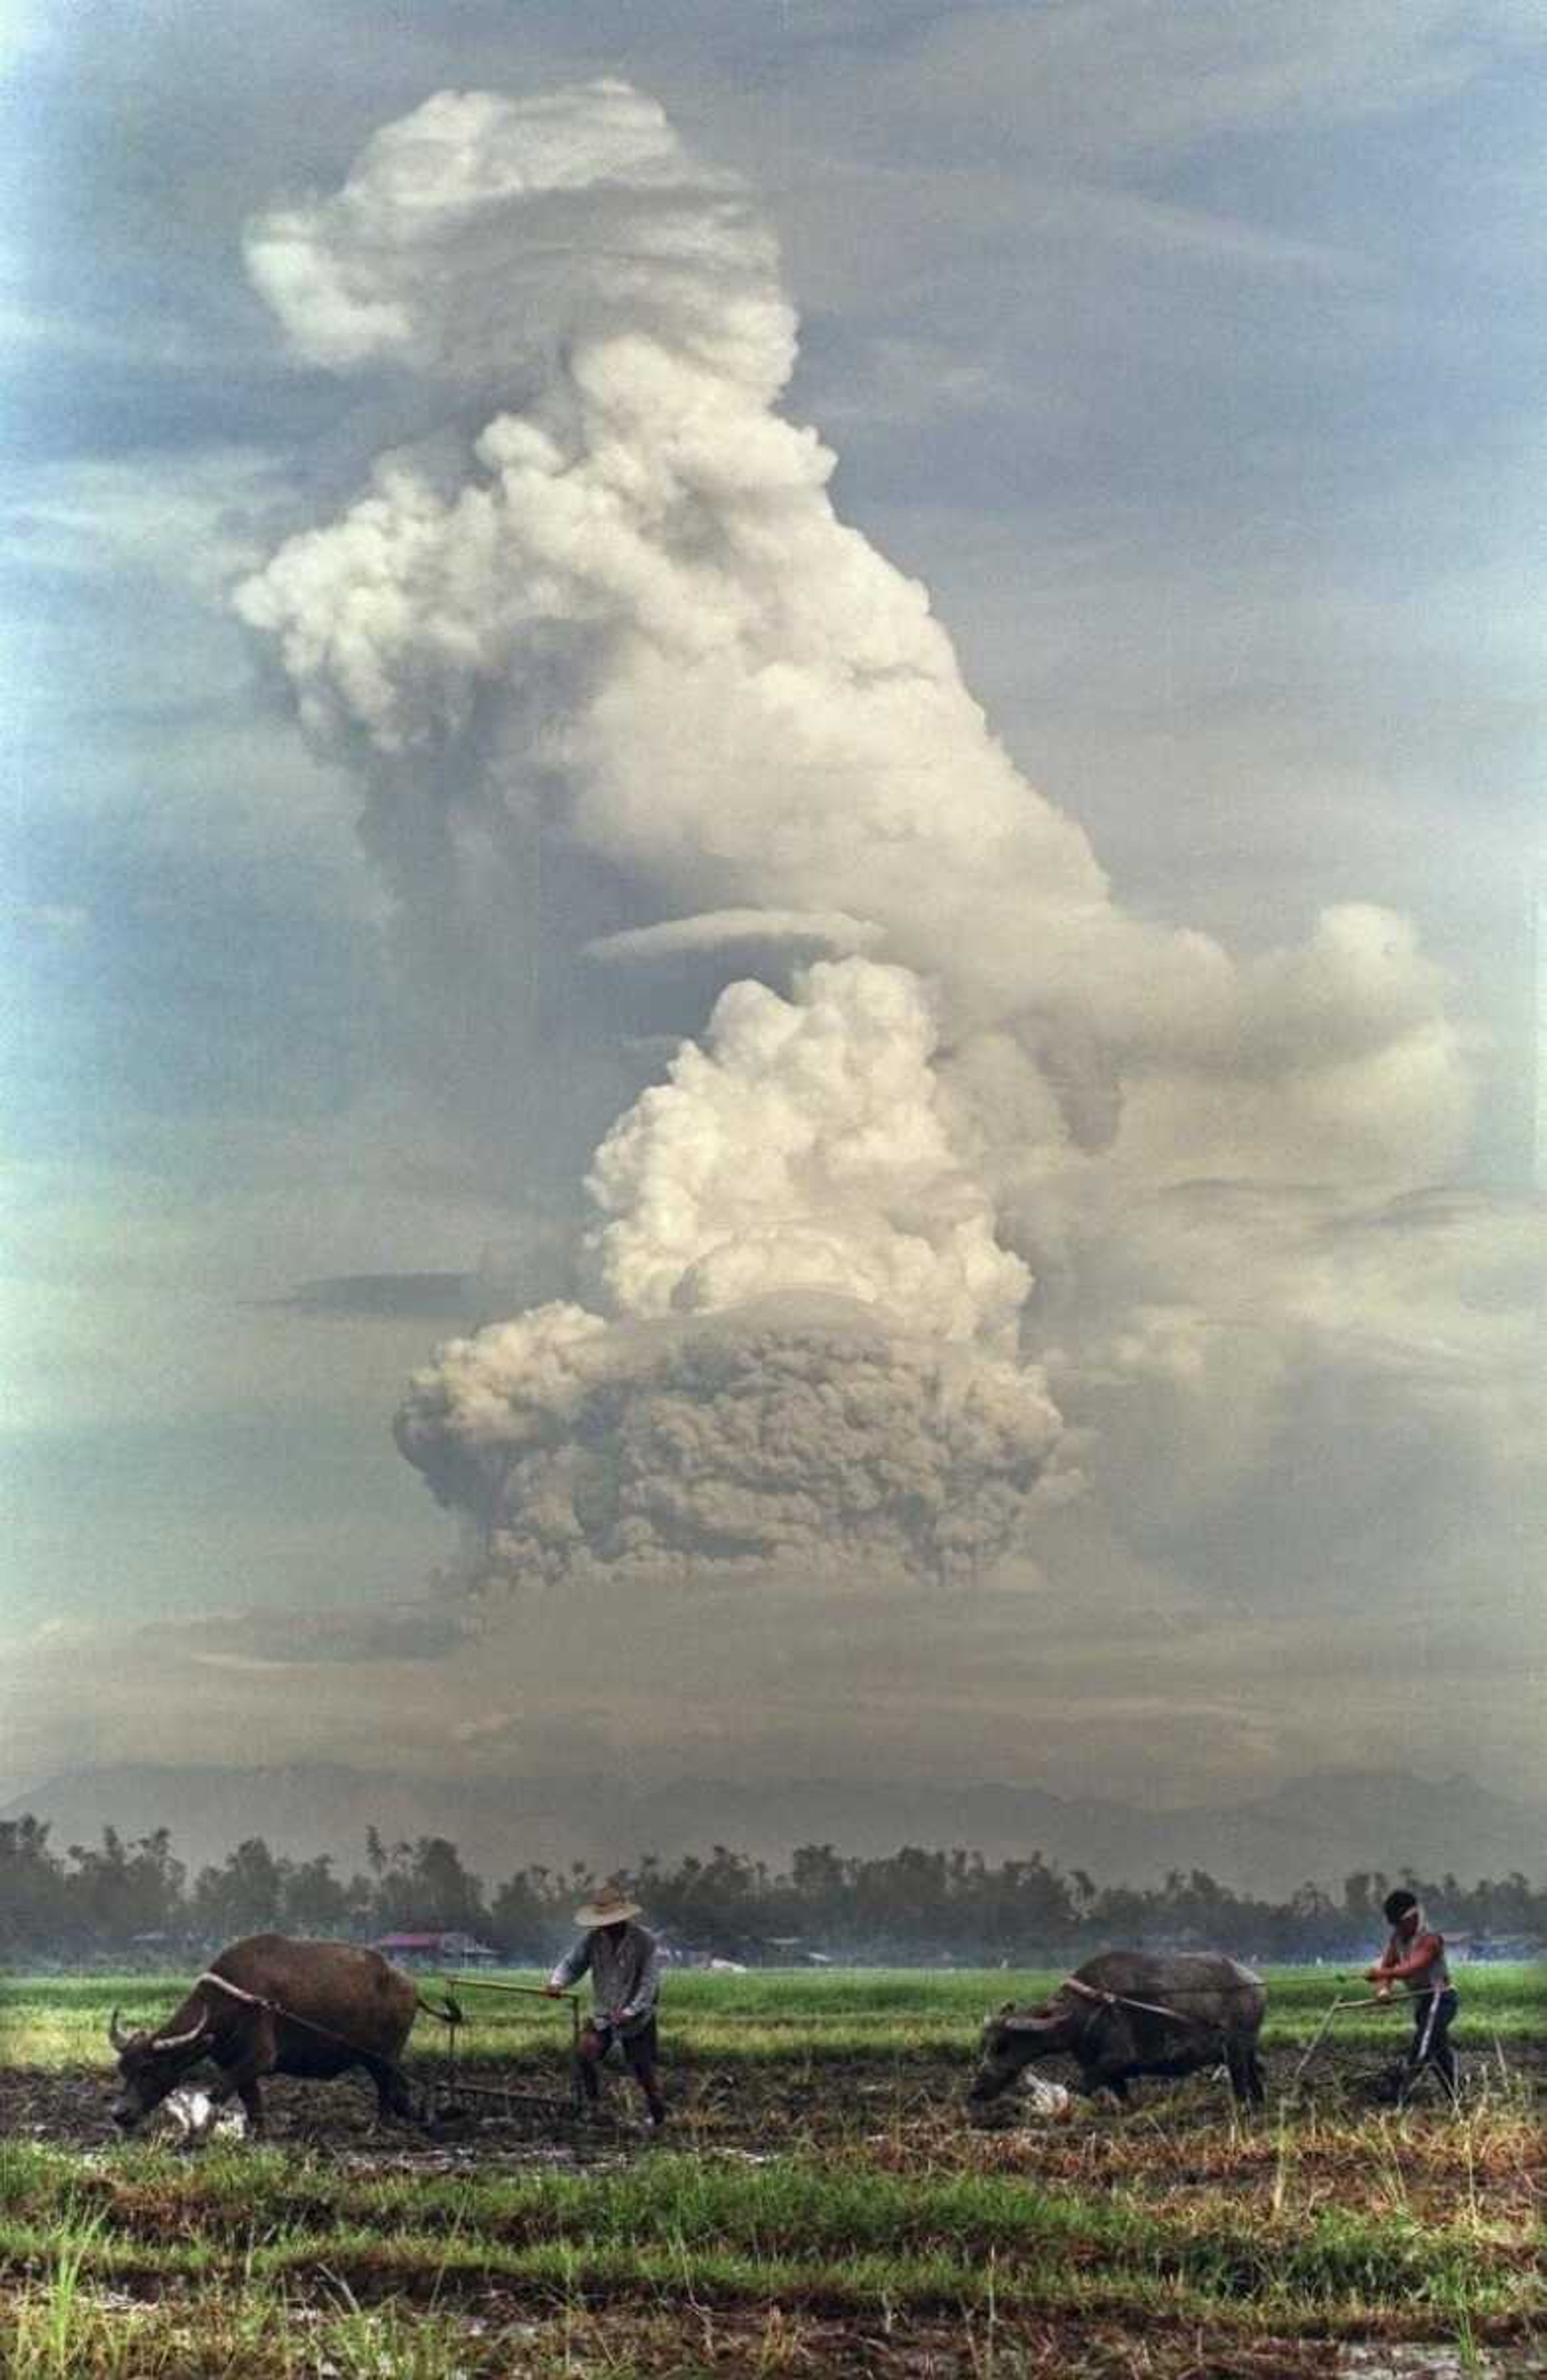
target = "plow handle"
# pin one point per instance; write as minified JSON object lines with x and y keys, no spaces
{"x":526,"y":1991}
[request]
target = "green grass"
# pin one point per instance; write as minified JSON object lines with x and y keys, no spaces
{"x":769,"y":2017}
{"x":792,"y":2226}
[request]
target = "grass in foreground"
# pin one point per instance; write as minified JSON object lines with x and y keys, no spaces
{"x":252,"y":2337}
{"x":1258,"y":2244}
{"x":884,"y":2236}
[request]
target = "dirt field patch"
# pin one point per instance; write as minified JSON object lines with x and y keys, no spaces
{"x":757,"y":2106}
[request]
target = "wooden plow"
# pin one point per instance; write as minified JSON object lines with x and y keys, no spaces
{"x":448,"y":2094}
{"x":1407,"y":2079}
{"x":1335,"y":2009}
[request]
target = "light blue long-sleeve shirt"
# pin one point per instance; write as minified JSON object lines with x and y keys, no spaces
{"x":624,"y":1974}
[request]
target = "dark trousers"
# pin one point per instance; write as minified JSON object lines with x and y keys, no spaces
{"x":1433,"y":2014}
{"x":639,"y":2051}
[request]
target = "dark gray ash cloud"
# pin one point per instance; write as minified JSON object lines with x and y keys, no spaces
{"x":796,"y":1429}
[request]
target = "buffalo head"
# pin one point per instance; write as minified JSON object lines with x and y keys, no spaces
{"x":1012,"y":2038}
{"x":152,"y":2064}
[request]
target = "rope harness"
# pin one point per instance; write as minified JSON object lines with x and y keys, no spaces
{"x":450,"y":2016}
{"x":1122,"y":1999}
{"x":1150,"y":2008}
{"x":1378,"y":1999}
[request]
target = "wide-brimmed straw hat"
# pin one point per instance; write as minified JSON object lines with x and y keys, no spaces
{"x":610,"y":1907}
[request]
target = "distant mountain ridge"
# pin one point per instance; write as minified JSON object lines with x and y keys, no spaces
{"x":1313,"y":1829}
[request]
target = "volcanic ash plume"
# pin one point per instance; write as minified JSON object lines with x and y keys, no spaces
{"x":594,"y":625}
{"x":622,"y":614}
{"x":818,"y":1377}
{"x":795,"y":1428}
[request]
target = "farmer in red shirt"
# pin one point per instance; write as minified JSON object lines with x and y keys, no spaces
{"x":1415,"y":1958}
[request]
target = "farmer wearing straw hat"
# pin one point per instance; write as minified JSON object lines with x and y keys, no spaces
{"x":1415,"y":1957}
{"x":624,"y":1964}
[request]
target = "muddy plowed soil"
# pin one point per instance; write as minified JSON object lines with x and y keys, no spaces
{"x":756,"y":2110}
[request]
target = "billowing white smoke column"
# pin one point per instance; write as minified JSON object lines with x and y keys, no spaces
{"x":806,"y":1148}
{"x":743,"y":699}
{"x":602,"y":606}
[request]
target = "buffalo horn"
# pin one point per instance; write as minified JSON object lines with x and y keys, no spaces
{"x":115,"y":2033}
{"x":181,"y":2040}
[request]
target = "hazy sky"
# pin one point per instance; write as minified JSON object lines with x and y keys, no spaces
{"x":414,"y":581}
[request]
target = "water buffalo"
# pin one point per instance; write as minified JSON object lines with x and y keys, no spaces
{"x":273,"y":2005}
{"x":1201,"y":2009}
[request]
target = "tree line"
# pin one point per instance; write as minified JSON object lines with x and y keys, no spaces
{"x":135,"y":1900}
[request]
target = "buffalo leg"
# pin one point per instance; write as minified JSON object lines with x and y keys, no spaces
{"x":1245,"y":2073}
{"x":241,"y":2082}
{"x":393,"y":2095}
{"x":259,"y":2058}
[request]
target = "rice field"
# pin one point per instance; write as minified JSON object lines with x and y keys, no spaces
{"x":819,"y":2204}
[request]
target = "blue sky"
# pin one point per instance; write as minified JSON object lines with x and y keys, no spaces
{"x":1190,"y":358}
